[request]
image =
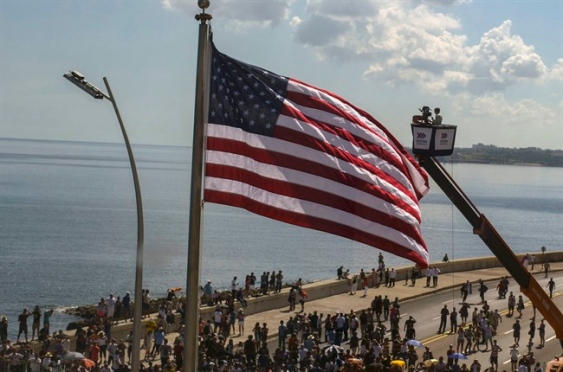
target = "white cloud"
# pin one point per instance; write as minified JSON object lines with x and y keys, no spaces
{"x":556,"y":72}
{"x":416,"y":45}
{"x":240,"y":14}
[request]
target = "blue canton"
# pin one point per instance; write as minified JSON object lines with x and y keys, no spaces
{"x":245,"y":96}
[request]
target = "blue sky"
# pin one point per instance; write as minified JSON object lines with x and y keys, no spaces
{"x":494,"y":67}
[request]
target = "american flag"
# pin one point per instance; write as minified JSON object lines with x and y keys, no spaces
{"x":286,"y":150}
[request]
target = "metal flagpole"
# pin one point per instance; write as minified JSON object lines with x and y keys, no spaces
{"x":194,"y":258}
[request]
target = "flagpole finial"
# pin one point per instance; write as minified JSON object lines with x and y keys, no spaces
{"x":203,"y":17}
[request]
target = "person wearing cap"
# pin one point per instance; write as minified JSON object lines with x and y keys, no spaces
{"x":46,"y":362}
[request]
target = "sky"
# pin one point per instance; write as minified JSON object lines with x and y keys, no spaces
{"x":495,"y":68}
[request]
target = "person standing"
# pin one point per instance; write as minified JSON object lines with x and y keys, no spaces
{"x":234,"y":287}
{"x":3,"y":328}
{"x":111,"y":301}
{"x":443,"y":319}
{"x":546,"y":267}
{"x":460,"y":340}
{"x":532,"y":330}
{"x":250,"y":352}
{"x":453,"y":321}
{"x":126,"y":303}
{"x":520,"y":305}
{"x":392,"y":277}
{"x":47,"y":319}
{"x":428,"y":276}
{"x":516,"y":332}
{"x":511,"y":304}
{"x":495,"y":349}
{"x":22,"y":320}
{"x":482,"y":289}
{"x":514,"y":355}
{"x":282,"y":334}
{"x":435,"y":274}
{"x":532,"y":261}
{"x":279,"y":281}
{"x":551,"y":287}
{"x":36,"y":324}
{"x":437,"y":121}
{"x":541,"y":331}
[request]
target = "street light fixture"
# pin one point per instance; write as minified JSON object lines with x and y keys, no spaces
{"x":78,"y":79}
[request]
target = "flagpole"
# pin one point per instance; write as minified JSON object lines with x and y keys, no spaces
{"x":195,"y":225}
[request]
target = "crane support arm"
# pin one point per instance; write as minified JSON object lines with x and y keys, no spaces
{"x":482,"y":227}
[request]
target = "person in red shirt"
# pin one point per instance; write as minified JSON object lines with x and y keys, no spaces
{"x":94,"y":352}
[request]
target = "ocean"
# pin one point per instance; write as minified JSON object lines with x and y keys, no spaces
{"x":68,"y":225}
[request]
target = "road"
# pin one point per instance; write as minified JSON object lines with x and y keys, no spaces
{"x":428,"y":322}
{"x":426,"y":311}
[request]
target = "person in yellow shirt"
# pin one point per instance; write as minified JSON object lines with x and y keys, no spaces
{"x":151,"y":325}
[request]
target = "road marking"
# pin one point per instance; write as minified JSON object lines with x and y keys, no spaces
{"x":549,"y":339}
{"x":507,"y":332}
{"x":445,"y":302}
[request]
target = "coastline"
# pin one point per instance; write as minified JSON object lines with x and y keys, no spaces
{"x":332,"y":287}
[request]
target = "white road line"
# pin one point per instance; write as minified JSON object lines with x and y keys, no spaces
{"x":438,"y":317}
{"x":508,"y":361}
{"x":549,"y":339}
{"x":507,"y":332}
{"x":445,"y":302}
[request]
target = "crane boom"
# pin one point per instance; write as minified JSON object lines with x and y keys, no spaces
{"x":483,"y":227}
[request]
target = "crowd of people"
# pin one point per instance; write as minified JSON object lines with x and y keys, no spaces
{"x":377,"y":338}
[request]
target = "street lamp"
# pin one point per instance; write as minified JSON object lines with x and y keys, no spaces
{"x":78,"y":79}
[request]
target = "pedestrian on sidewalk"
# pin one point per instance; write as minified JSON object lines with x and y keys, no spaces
{"x":435,"y":273}
{"x":546,"y":267}
{"x":428,"y":276}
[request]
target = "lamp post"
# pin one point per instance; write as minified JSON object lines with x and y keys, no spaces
{"x":78,"y":79}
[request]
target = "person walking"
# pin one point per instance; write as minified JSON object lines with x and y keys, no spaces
{"x":551,"y":287}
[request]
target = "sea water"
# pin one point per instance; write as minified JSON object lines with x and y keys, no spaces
{"x":68,"y":225}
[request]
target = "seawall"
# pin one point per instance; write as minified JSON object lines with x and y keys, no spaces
{"x":331,"y":287}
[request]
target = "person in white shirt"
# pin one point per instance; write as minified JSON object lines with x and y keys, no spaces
{"x":514,"y":355}
{"x":111,"y":306}
{"x":435,"y":273}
